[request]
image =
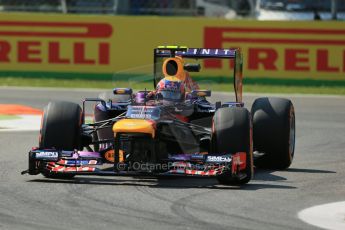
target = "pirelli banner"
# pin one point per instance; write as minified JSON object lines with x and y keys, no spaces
{"x":109,"y":44}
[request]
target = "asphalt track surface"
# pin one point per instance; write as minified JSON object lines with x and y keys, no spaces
{"x":270,"y":201}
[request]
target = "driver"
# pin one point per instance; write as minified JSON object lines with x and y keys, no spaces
{"x":172,"y":90}
{"x":175,"y":79}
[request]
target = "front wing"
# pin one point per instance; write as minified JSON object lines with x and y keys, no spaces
{"x":92,"y":163}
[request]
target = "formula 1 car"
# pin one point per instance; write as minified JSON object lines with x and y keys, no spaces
{"x":142,"y":135}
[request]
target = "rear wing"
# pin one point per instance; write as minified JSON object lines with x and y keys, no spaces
{"x":203,"y":53}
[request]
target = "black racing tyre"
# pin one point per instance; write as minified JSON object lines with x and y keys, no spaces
{"x":60,"y":129}
{"x":274,"y":132}
{"x":232,"y":133}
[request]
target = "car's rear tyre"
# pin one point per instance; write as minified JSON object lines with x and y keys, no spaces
{"x":60,"y":129}
{"x":274,"y":132}
{"x":232,"y":133}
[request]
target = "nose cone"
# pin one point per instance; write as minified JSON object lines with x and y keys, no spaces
{"x":134,"y":126}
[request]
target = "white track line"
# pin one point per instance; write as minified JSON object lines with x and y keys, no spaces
{"x":26,"y":123}
{"x":23,"y":123}
{"x":328,"y":216}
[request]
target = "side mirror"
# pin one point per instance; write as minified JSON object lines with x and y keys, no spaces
{"x":201,"y":93}
{"x":126,"y":91}
{"x":192,"y":67}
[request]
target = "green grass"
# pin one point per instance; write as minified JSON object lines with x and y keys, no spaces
{"x":260,"y":85}
{"x":8,"y":117}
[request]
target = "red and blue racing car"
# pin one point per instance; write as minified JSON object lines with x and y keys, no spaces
{"x":171,"y":131}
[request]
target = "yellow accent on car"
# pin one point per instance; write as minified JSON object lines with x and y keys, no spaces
{"x":180,"y":73}
{"x":109,"y":155}
{"x":201,"y":94}
{"x":172,"y":47}
{"x":120,"y":91}
{"x":134,"y":126}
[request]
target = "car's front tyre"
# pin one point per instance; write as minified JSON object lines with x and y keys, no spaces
{"x":60,"y":130}
{"x":232,"y":134}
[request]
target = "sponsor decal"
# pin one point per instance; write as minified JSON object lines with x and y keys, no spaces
{"x":218,"y":159}
{"x":148,"y":112}
{"x":148,"y":116}
{"x":197,"y":157}
{"x":65,"y":43}
{"x":279,"y":50}
{"x":178,"y":157}
{"x":75,"y":162}
{"x":202,"y":52}
{"x":67,"y":153}
{"x":109,"y":155}
{"x":47,"y":155}
{"x":54,"y":43}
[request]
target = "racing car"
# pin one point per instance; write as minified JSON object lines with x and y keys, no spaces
{"x":143,"y":133}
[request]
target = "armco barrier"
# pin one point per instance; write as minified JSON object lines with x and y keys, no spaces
{"x":31,"y":43}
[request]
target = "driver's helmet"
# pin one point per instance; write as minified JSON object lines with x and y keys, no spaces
{"x":171,"y":90}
